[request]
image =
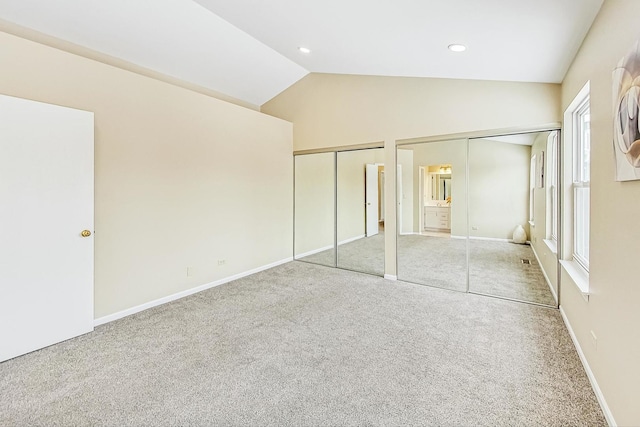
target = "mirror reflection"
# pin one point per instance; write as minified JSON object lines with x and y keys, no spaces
{"x":360,"y":216}
{"x":314,"y":225}
{"x":438,"y":182}
{"x":510,"y":217}
{"x":432,"y":214}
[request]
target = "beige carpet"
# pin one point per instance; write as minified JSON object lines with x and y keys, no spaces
{"x":305,"y":345}
{"x":495,"y":268}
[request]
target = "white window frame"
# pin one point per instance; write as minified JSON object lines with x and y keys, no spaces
{"x":552,"y":186}
{"x":574,"y":266}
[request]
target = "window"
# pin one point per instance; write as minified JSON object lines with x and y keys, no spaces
{"x":581,"y":180}
{"x":552,"y":186}
{"x":573,"y":187}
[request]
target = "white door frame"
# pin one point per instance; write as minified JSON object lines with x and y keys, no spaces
{"x":46,"y":224}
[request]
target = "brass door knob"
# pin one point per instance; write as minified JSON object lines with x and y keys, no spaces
{"x":85,"y":233}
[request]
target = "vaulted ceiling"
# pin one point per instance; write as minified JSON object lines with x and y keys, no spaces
{"x":248,"y":49}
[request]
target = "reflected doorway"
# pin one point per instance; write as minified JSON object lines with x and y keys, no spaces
{"x":432,"y":240}
{"x":435,"y":200}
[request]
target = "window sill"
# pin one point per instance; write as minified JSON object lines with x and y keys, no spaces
{"x":552,"y":245}
{"x":578,"y":275}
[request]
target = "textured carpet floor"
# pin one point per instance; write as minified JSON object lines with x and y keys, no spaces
{"x":507,"y":276}
{"x":305,"y":345}
{"x":495,"y":268}
{"x":365,"y":255}
{"x":433,"y":261}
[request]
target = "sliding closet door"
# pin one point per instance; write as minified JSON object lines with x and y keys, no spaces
{"x":314,"y":204}
{"x":511,"y":197}
{"x":360,"y":183}
{"x":432,"y":213}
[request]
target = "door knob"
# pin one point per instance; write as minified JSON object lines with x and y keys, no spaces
{"x":85,"y":233}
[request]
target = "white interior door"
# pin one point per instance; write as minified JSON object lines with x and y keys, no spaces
{"x":46,"y":201}
{"x":371,"y":199}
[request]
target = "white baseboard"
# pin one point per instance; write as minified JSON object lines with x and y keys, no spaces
{"x":326,"y":248}
{"x":128,"y":312}
{"x":353,"y":239}
{"x":391,"y":277}
{"x":592,"y":379}
{"x":544,"y":273}
{"x":313,"y":252}
{"x":491,"y":239}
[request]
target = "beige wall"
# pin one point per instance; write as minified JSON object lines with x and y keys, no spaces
{"x":181,"y":179}
{"x":314,"y":197}
{"x":453,"y":153}
{"x":351,"y":191}
{"x":498,"y":188}
{"x":314,"y":202}
{"x":613,"y":309}
{"x":498,"y":184}
{"x":333,"y":110}
{"x":406,"y":199}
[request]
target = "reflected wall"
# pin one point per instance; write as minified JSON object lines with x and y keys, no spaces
{"x":506,"y":191}
{"x":314,"y":204}
{"x":360,"y":210}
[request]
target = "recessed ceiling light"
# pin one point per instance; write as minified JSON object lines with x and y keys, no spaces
{"x":304,"y":49}
{"x":457,"y":47}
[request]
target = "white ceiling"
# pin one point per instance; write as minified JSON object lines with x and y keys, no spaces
{"x":247,"y":49}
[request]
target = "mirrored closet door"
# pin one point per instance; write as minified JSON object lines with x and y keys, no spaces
{"x":432,"y":214}
{"x":513,"y":217}
{"x":360,"y":210}
{"x":314,"y":208}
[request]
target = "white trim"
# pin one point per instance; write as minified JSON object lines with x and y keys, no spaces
{"x":133,"y":310}
{"x":326,"y":248}
{"x":544,"y":273}
{"x":352,"y":239}
{"x":411,"y":233}
{"x":552,"y":245}
{"x":391,"y":277}
{"x":578,"y":276}
{"x":592,"y":379}
{"x":313,"y":252}
{"x":491,"y":239}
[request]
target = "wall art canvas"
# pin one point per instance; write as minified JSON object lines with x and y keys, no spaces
{"x":626,"y":112}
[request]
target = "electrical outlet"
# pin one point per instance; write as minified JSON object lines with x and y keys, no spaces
{"x":222,"y":261}
{"x":474,"y":228}
{"x":189,"y":271}
{"x":594,"y":338}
